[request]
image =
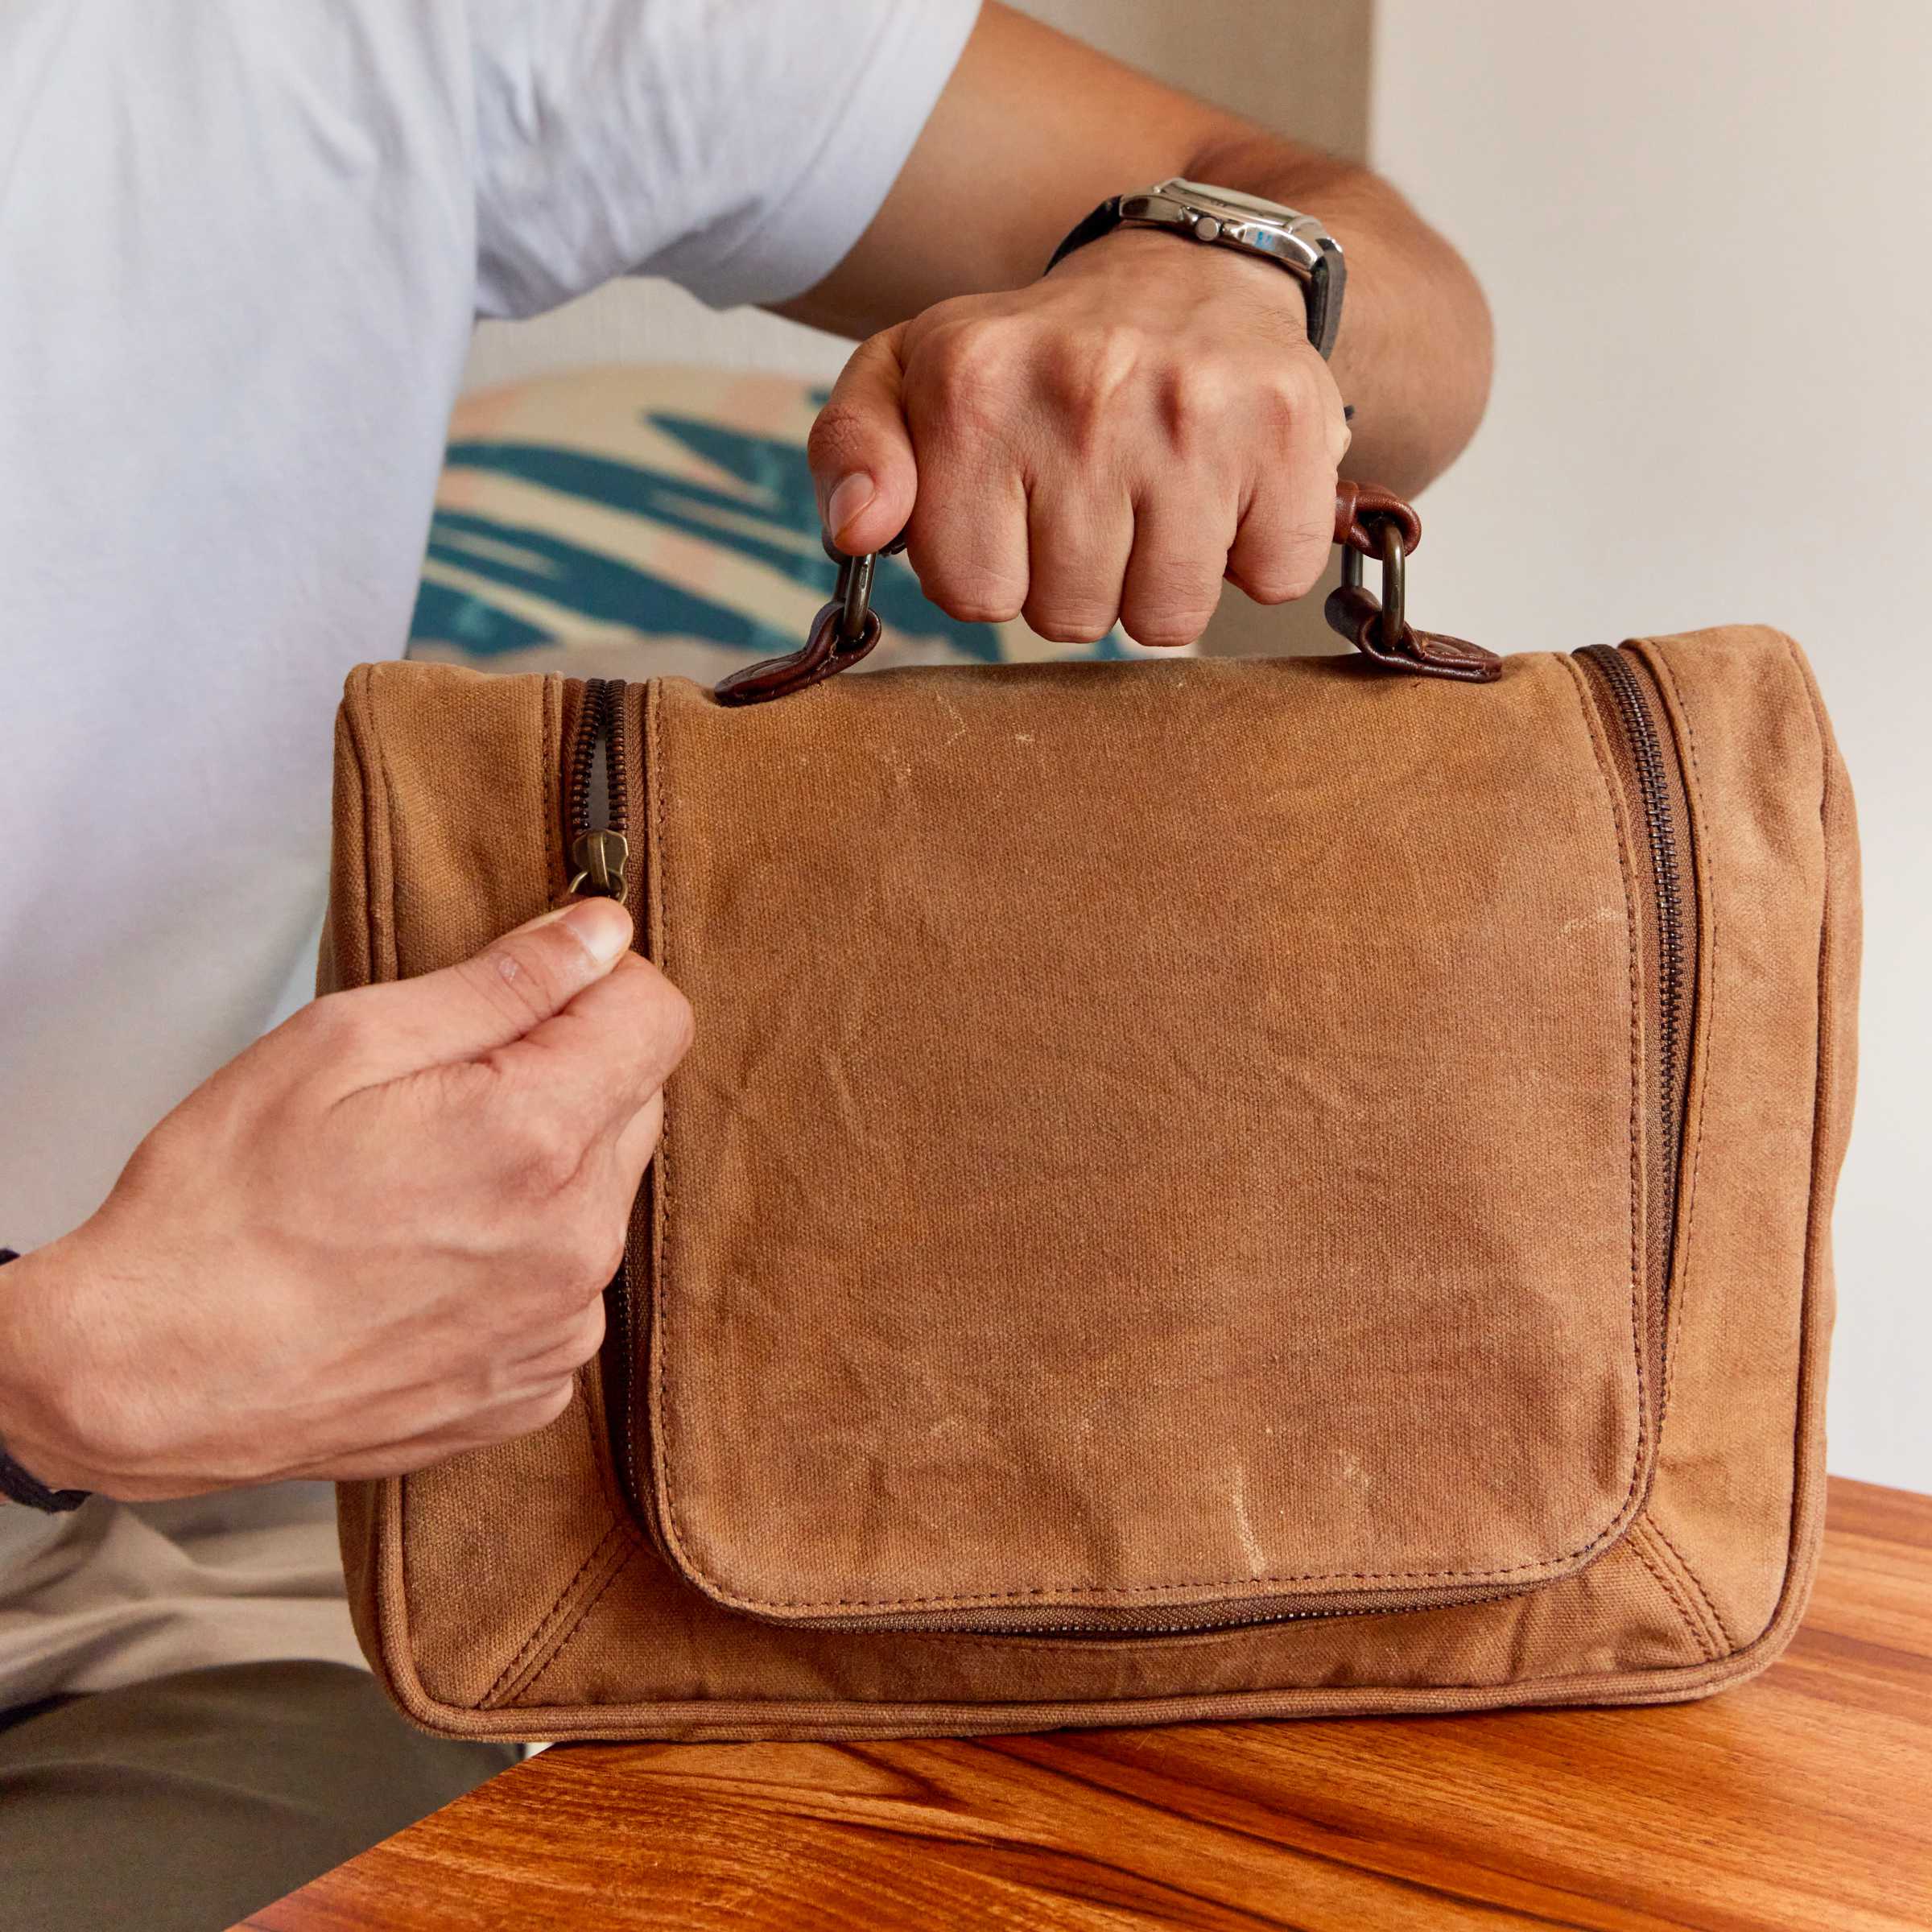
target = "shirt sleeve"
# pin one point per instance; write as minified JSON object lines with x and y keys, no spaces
{"x":738,"y":147}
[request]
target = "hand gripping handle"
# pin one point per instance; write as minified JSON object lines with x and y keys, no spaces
{"x":1369,"y":522}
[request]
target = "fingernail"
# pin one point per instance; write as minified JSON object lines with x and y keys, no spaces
{"x":603,"y":928}
{"x":849,"y":496}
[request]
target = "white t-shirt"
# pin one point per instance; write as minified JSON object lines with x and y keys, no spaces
{"x":241,"y":247}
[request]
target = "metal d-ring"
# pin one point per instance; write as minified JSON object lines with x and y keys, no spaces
{"x":853,"y":592}
{"x":1393,"y":617}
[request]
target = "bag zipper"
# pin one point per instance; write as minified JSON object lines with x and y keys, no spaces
{"x":1647,"y":770}
{"x":1644,"y":752}
{"x":597,"y":809}
{"x":596,"y":819}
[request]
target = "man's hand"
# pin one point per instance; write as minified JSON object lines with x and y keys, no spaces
{"x":1106,"y":439}
{"x":1106,"y":443}
{"x":378,"y":1237}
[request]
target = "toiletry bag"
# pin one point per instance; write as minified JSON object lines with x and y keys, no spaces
{"x":1203,"y":1189}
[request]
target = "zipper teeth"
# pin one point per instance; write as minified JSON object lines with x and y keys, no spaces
{"x":1653,"y":788}
{"x":616,"y":755}
{"x":583,"y":761}
{"x":603,"y":725}
{"x":1218,"y":1623}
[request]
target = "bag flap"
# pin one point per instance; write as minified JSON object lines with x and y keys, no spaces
{"x":1161,"y":1145}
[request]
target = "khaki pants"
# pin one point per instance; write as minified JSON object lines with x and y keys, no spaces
{"x":183,"y":1805}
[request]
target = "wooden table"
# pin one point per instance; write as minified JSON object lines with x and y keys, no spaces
{"x":1802,"y":1799}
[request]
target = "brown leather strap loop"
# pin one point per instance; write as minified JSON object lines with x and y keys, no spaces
{"x":1359,"y":506}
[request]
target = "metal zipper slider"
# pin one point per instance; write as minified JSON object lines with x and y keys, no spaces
{"x":602,"y":860}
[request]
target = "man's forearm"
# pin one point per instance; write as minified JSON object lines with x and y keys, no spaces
{"x":1036,"y":128}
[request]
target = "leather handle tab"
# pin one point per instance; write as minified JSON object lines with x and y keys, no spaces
{"x":1369,"y":522}
{"x":823,"y":654}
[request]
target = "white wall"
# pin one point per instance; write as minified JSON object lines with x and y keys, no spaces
{"x":1703,"y":231}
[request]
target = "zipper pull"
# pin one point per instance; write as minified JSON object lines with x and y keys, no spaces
{"x":603,"y":860}
{"x":596,"y":791}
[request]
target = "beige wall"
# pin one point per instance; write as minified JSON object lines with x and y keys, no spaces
{"x":1300,"y":65}
{"x":1702,"y":229}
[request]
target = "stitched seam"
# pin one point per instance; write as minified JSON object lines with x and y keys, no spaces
{"x":395,"y":959}
{"x":657,"y":778}
{"x":1699,"y":1635}
{"x":1829,"y":1071}
{"x":619,"y":1527}
{"x":546,"y":1622}
{"x":1714,"y":1615}
{"x":576,"y":1630}
{"x":369,"y":768}
{"x":389,"y":839}
{"x":661,"y":1347}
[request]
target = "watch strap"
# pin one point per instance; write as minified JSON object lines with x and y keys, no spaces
{"x":18,"y":1485}
{"x":1104,"y":221}
{"x":1321,"y":280}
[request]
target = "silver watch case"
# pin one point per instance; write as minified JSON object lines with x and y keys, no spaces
{"x":1222,"y":218}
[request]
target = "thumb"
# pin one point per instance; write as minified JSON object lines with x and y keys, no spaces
{"x":863,"y":468}
{"x":464,"y":1011}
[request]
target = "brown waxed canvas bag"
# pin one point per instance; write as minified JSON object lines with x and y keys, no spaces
{"x":1203,"y":1188}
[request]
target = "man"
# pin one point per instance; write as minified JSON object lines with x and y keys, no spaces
{"x":242,"y":247}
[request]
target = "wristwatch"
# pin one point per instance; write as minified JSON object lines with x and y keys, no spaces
{"x":1224,"y":218}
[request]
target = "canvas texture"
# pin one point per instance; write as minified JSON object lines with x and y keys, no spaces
{"x":1160,"y":1218}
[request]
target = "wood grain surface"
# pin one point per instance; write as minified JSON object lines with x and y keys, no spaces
{"x":1803,"y":1799}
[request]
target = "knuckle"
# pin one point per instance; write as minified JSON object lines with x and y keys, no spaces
{"x":1281,"y":407}
{"x":648,"y":1122}
{"x":973,"y":594}
{"x":1169,"y":625}
{"x":965,"y":352}
{"x":529,"y":1414}
{"x":587,"y":1337}
{"x":1192,"y":396}
{"x":1277,"y":583}
{"x":1267,"y":587}
{"x":964,"y":382}
{"x":578,"y":1333}
{"x":1169,"y":634}
{"x":338,"y":1026}
{"x":575,"y":1260}
{"x":539,"y":1155}
{"x":1289,"y":561}
{"x":592,"y":1254}
{"x":984,"y":607}
{"x":1083,"y":375}
{"x":1072,"y":625}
